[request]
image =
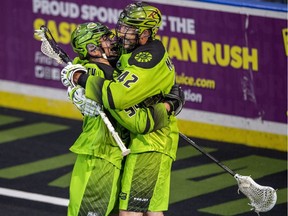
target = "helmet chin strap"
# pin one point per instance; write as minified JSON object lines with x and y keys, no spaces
{"x":93,"y":49}
{"x":104,"y":55}
{"x":103,"y":52}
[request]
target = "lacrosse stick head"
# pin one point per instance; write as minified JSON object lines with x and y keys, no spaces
{"x":49,"y":47}
{"x":262,"y":198}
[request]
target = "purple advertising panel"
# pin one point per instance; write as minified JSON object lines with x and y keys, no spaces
{"x":227,"y":62}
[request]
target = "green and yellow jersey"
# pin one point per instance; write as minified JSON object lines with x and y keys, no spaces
{"x":96,"y":139}
{"x":146,"y":72}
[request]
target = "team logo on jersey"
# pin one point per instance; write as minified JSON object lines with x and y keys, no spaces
{"x":123,"y":195}
{"x":143,"y":57}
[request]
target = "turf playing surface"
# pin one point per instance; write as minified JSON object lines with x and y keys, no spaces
{"x":35,"y":159}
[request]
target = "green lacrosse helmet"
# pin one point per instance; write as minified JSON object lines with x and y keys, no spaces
{"x":141,"y":16}
{"x":87,"y":33}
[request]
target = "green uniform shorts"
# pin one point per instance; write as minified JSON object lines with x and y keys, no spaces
{"x":94,"y":187}
{"x":145,"y":184}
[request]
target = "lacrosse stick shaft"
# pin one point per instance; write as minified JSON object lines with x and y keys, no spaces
{"x":207,"y":154}
{"x":115,"y":135}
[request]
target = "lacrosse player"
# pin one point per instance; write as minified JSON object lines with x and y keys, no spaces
{"x":95,"y":179}
{"x":147,"y":71}
{"x":147,"y":74}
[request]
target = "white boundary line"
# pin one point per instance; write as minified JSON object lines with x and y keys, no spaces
{"x":33,"y":90}
{"x":33,"y":196}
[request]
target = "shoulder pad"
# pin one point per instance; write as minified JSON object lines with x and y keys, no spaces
{"x":147,"y":56}
{"x":107,"y":70}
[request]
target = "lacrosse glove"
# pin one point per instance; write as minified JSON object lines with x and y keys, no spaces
{"x":77,"y":96}
{"x":91,"y":108}
{"x":68,"y":72}
{"x":176,"y":99}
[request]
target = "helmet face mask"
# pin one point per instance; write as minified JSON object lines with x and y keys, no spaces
{"x":127,"y":35}
{"x":93,"y":36}
{"x":140,"y":17}
{"x":108,"y":44}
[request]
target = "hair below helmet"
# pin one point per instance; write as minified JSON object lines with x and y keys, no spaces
{"x":141,"y":16}
{"x":87,"y":33}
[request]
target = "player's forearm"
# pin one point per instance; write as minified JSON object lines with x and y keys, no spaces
{"x":142,"y":120}
{"x":81,"y":79}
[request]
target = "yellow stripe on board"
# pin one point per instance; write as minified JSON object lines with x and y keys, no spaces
{"x":65,"y":109}
{"x":233,"y":135}
{"x":46,"y":106}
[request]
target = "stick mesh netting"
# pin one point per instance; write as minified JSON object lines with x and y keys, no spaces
{"x":262,"y":198}
{"x":46,"y":47}
{"x":47,"y":50}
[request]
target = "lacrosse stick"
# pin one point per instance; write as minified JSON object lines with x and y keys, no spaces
{"x":50,"y":48}
{"x":262,"y":198}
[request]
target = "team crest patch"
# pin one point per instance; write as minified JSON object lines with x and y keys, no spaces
{"x":143,"y":57}
{"x":123,"y":196}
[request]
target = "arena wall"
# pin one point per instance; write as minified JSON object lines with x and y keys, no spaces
{"x":231,"y":61}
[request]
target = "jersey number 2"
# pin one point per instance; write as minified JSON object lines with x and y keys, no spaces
{"x":123,"y":76}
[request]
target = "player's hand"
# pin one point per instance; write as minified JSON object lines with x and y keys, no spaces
{"x":91,"y":108}
{"x":77,"y":96}
{"x":67,"y":74}
{"x":175,"y":99}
